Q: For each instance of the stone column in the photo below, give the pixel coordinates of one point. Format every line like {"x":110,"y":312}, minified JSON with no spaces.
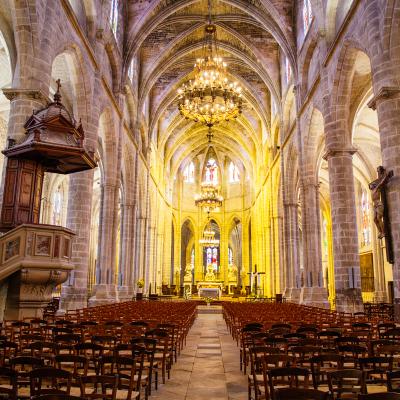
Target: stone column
{"x":313,"y":291}
{"x":344,"y":230}
{"x":74,"y":291}
{"x":292,"y":251}
{"x":126,"y":254}
{"x":105,"y":291}
{"x":387,"y":104}
{"x":141,"y":223}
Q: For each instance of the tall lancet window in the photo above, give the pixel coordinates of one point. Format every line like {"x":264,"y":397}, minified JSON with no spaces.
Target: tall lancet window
{"x":131,"y":71}
{"x":57,"y":206}
{"x":365,"y":219}
{"x":114,"y":16}
{"x":230,"y":256}
{"x":233,"y":173}
{"x":307,"y":15}
{"x":288,"y":70}
{"x":211,"y":173}
{"x":188,"y":173}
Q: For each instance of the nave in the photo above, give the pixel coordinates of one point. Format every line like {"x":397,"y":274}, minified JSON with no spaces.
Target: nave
{"x":184,"y":350}
{"x":208,"y":366}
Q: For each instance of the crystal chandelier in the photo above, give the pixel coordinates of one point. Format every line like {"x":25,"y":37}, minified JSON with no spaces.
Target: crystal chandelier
{"x":210,"y":97}
{"x":208,"y":239}
{"x":209,"y":198}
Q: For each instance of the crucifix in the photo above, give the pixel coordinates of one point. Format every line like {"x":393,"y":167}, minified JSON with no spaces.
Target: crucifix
{"x":254,"y":279}
{"x":381,"y":212}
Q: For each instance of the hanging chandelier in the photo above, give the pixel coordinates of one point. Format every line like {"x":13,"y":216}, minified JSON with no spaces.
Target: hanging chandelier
{"x":209,"y":198}
{"x":210,"y":97}
{"x":208,"y":239}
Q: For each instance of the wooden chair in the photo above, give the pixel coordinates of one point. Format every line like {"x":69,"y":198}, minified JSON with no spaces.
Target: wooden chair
{"x":376,"y":368}
{"x":92,"y":352}
{"x":287,"y":377}
{"x":300,"y":394}
{"x":346,"y":382}
{"x":151,"y":367}
{"x":99,"y":387}
{"x":8,"y":383}
{"x":23,"y":365}
{"x":322,"y":364}
{"x":393,"y":381}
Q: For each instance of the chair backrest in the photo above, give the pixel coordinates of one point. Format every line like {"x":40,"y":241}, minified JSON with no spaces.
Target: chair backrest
{"x":300,"y":394}
{"x":48,"y":380}
{"x":99,"y":387}
{"x":77,"y":365}
{"x":393,"y":381}
{"x":287,"y":377}
{"x":9,"y":377}
{"x":24,"y":363}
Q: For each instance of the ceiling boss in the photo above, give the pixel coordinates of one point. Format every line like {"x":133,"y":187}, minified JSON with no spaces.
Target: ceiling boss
{"x":210,"y":97}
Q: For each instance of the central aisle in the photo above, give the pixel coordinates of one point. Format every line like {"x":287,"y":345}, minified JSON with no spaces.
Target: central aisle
{"x":208,"y":367}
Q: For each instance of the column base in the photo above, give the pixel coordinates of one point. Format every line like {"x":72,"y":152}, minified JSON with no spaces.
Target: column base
{"x":292,"y":294}
{"x":72,"y":298}
{"x":103,"y":294}
{"x":380,"y":297}
{"x":349,"y":301}
{"x":125,"y":293}
{"x":314,"y":296}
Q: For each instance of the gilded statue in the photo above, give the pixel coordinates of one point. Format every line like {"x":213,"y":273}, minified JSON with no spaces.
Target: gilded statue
{"x":210,"y":276}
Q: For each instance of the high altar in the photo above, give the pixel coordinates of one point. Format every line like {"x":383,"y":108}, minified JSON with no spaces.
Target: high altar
{"x":211,"y":289}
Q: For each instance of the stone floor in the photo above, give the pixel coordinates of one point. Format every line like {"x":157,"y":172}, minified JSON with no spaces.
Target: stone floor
{"x":208,"y":366}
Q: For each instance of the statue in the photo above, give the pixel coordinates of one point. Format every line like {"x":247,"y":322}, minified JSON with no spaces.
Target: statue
{"x":210,"y":276}
{"x":377,"y":189}
{"x":188,"y":273}
{"x":232,"y":272}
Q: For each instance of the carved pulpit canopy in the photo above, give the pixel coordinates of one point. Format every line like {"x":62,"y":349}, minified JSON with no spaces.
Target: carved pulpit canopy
{"x":54,"y":139}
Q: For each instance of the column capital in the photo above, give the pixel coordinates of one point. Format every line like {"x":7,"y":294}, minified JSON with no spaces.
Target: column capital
{"x":34,"y":94}
{"x":339,"y":152}
{"x":385,"y":92}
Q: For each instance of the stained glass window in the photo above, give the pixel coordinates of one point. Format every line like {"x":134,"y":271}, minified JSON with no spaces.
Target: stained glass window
{"x":365,"y":219}
{"x":212,"y":257}
{"x":324,"y":238}
{"x":209,"y":256}
{"x":130,"y":71}
{"x":307,"y":15}
{"x":192,"y":257}
{"x":211,"y":174}
{"x":215,"y":257}
{"x":57,"y":206}
{"x":288,"y":70}
{"x":114,"y":16}
{"x":188,"y":173}
{"x":233,"y":173}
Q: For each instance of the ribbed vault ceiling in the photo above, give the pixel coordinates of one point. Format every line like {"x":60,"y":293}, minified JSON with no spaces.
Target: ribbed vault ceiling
{"x":167,"y":36}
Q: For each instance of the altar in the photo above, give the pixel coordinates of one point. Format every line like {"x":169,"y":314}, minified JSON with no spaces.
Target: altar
{"x":212,"y":289}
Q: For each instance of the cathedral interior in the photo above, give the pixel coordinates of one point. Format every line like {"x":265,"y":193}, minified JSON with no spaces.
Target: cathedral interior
{"x":185,"y":180}
{"x":270,"y":196}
